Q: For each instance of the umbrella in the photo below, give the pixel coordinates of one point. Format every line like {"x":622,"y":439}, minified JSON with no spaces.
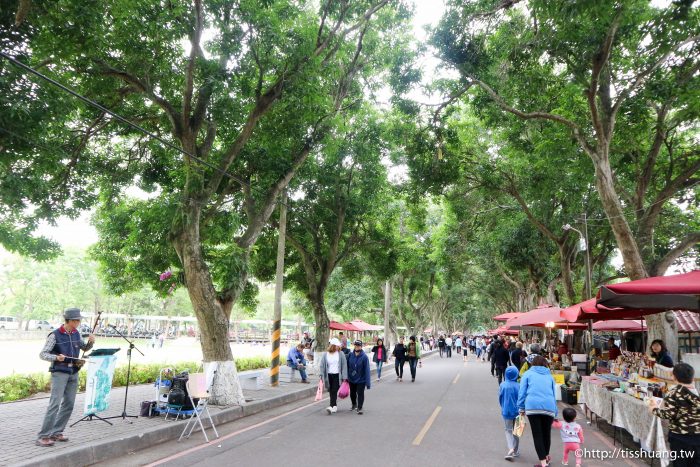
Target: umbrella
{"x":679,"y":291}
{"x":506,"y":316}
{"x":620,"y":325}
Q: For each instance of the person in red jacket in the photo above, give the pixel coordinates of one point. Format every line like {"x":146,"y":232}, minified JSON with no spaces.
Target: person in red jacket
{"x":613,"y":350}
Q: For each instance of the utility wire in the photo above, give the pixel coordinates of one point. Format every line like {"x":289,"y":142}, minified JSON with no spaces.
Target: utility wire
{"x":124,"y":120}
{"x":133,"y":125}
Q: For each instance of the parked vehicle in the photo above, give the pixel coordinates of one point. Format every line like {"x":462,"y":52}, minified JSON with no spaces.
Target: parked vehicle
{"x":9,"y":323}
{"x":40,"y":325}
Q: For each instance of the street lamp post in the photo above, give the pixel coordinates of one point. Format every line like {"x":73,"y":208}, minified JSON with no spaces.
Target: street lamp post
{"x":588,"y":283}
{"x":588,"y":252}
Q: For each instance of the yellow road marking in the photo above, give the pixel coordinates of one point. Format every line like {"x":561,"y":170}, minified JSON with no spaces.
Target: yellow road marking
{"x":456,"y":378}
{"x":426,"y":427}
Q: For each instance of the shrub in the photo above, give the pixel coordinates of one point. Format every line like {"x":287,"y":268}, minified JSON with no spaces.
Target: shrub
{"x":16,"y":387}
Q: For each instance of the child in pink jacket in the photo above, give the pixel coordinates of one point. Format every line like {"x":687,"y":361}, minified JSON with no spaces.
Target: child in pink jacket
{"x":571,"y":435}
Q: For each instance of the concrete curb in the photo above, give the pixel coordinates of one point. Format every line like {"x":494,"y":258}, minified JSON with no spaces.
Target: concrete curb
{"x":95,"y":452}
{"x":114,"y":448}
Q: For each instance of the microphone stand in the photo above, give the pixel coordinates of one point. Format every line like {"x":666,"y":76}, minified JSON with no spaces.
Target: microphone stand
{"x":124,"y":415}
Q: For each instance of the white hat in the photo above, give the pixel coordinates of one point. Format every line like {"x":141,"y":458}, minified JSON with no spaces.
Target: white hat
{"x":334,"y":341}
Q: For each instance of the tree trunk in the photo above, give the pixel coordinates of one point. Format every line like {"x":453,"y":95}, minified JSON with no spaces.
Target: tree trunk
{"x":390,"y":334}
{"x":211,"y":316}
{"x":322,"y":323}
{"x":565,"y":267}
{"x":658,"y":326}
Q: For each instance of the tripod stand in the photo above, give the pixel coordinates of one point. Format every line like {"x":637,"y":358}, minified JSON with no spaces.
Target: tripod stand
{"x":124,"y":415}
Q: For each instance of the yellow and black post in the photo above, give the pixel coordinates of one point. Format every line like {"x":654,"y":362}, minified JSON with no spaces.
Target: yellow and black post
{"x":277,"y":320}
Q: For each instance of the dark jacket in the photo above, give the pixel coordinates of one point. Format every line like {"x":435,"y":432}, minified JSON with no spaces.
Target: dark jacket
{"x":501,"y":357}
{"x":358,"y":369}
{"x":375,"y":358}
{"x":68,"y":344}
{"x":663,"y":358}
{"x":399,"y":352}
{"x":441,"y":342}
{"x":517,"y":356}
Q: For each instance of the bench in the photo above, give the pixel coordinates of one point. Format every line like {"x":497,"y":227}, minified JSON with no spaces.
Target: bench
{"x":253,"y":380}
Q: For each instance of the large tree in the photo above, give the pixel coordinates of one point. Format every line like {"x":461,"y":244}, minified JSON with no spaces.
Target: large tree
{"x":620,"y":78}
{"x":337,"y":210}
{"x":244,"y":92}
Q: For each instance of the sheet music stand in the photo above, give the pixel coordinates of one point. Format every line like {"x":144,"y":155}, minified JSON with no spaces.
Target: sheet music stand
{"x":97,"y":353}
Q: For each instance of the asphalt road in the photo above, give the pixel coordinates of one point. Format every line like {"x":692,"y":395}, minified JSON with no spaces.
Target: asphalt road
{"x":461,"y":400}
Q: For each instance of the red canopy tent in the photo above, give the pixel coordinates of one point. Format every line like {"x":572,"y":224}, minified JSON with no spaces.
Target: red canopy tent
{"x":336,"y":326}
{"x":506,"y":316}
{"x":363,"y":326}
{"x":588,"y":310}
{"x":540,"y":316}
{"x":621,"y":325}
{"x":502,"y":330}
{"x":676,"y":292}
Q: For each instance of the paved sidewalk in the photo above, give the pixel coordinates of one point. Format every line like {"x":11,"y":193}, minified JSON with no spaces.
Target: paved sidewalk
{"x":95,"y":440}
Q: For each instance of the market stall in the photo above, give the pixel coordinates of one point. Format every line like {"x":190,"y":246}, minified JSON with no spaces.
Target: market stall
{"x":623,"y":410}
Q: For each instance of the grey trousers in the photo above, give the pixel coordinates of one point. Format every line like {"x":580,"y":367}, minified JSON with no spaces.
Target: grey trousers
{"x":513,"y":441}
{"x":63,"y":389}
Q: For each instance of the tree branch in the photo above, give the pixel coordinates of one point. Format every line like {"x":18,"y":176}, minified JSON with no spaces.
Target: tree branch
{"x":144,"y":88}
{"x":599,"y":62}
{"x":688,"y":242}
{"x":195,"y":53}
{"x":643,"y":75}
{"x":576,"y":130}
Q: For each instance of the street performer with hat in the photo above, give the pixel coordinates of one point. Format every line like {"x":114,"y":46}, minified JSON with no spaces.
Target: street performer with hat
{"x":62,"y":349}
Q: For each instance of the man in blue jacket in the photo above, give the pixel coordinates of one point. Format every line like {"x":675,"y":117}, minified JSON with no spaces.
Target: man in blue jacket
{"x":508,"y":398}
{"x":296,"y":361}
{"x":358,"y":376}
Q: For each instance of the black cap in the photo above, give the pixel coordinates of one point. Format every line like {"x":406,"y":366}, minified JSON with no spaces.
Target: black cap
{"x":357,"y":342}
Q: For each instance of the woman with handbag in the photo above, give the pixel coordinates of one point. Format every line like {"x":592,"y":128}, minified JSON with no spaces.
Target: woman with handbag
{"x":379,"y":356}
{"x":334,"y":370}
{"x":536,"y":399}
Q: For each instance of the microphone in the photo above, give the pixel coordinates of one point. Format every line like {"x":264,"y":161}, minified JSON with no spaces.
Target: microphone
{"x":111,"y":326}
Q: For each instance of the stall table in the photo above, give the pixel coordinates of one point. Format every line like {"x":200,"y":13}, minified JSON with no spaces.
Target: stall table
{"x":624,"y":411}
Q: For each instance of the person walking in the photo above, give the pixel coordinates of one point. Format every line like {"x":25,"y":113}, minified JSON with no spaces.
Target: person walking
{"x":501,"y":358}
{"x":571,"y":436}
{"x":448,"y":346}
{"x":458,"y":344}
{"x":399,"y":354}
{"x":62,"y":348}
{"x":333,"y":369}
{"x":527,"y":363}
{"x":379,"y":356}
{"x":508,"y":398}
{"x":441,"y":345}
{"x":296,"y":361}
{"x":413,"y":352}
{"x":537,"y":400}
{"x":359,"y":376}
{"x":517,"y":355}
{"x":161,"y":339}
